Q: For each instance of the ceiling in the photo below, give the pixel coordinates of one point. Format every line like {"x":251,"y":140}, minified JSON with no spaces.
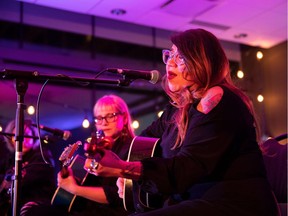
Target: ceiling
{"x":260,"y":23}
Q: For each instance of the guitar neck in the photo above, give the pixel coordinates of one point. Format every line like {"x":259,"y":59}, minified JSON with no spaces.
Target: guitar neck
{"x":64,"y":172}
{"x":66,"y":157}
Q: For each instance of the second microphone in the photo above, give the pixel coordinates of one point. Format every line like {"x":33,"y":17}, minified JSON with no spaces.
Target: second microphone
{"x":63,"y":134}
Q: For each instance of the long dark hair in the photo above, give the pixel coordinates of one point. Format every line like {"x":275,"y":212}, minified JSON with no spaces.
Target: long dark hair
{"x":207,"y":66}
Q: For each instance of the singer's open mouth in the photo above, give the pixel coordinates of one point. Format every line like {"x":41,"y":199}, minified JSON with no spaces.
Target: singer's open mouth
{"x":171,"y":75}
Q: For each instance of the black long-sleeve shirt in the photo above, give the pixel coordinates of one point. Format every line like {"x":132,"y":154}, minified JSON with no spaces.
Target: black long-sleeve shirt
{"x":219,"y":161}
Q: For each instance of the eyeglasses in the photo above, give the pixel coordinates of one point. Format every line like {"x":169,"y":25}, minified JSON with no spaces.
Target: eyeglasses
{"x":109,"y":118}
{"x":167,"y":55}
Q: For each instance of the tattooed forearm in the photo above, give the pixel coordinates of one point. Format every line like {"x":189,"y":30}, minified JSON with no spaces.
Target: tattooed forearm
{"x":132,"y":170}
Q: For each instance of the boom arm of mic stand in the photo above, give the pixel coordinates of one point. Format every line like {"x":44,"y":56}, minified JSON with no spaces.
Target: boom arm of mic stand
{"x":35,"y":75}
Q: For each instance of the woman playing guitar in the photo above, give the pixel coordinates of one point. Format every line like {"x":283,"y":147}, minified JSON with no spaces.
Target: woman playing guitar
{"x":111,"y":116}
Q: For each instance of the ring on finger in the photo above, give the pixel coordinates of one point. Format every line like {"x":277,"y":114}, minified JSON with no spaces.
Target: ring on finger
{"x":94,"y":165}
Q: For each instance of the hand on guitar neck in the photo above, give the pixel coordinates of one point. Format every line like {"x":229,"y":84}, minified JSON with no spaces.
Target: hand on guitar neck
{"x":94,"y":145}
{"x":66,"y":157}
{"x":64,"y":172}
{"x":94,"y":149}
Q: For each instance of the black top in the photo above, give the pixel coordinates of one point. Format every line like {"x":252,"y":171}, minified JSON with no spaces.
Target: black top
{"x":115,"y":206}
{"x":219,"y":162}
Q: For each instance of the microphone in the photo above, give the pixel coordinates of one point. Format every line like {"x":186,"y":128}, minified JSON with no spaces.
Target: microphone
{"x":152,"y":76}
{"x":56,"y":132}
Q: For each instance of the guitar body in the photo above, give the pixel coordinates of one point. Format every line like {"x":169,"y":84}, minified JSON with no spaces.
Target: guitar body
{"x":62,"y":197}
{"x":134,"y":199}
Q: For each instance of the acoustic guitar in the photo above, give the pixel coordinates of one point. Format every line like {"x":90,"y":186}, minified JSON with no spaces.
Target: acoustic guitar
{"x":133,"y":198}
{"x":61,"y":197}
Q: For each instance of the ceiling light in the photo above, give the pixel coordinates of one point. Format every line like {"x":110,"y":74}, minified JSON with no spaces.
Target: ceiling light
{"x":241,"y":35}
{"x":118,"y":11}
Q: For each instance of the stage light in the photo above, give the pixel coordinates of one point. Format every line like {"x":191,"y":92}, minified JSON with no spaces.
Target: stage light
{"x":240,"y":74}
{"x":85,"y":123}
{"x":260,"y":98}
{"x":31,"y":110}
{"x":259,"y":55}
{"x":135,"y":124}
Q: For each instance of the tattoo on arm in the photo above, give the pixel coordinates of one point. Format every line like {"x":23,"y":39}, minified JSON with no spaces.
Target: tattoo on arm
{"x":210,"y":102}
{"x":132,"y":171}
{"x":213,"y":101}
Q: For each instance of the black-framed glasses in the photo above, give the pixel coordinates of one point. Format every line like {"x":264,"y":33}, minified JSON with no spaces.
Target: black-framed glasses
{"x":167,"y":55}
{"x":109,"y":118}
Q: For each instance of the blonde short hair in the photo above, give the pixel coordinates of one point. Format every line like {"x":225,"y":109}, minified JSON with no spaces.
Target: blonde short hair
{"x":118,"y":104}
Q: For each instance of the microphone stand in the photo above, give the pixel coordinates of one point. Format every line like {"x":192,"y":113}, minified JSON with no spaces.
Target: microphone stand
{"x":21,"y":86}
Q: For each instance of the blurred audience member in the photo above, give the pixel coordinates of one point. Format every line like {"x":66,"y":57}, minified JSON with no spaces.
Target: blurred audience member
{"x":38,"y":178}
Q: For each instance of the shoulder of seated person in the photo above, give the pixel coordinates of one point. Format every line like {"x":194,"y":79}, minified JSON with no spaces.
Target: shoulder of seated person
{"x":210,"y":99}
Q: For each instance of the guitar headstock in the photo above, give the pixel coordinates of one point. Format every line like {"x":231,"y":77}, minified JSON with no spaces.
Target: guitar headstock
{"x":67,"y":155}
